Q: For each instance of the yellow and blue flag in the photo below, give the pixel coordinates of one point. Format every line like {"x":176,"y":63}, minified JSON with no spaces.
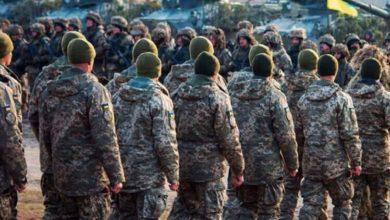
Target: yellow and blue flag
{"x":341,"y":6}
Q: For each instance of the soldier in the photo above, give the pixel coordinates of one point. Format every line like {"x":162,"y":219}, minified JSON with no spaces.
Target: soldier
{"x":326,"y":43}
{"x":297,"y":36}
{"x":142,"y":46}
{"x":12,"y":161}
{"x":86,"y":159}
{"x":60,"y":27}
{"x":48,"y":27}
{"x":270,"y":28}
{"x":261,"y":108}
{"x":217,"y":38}
{"x":95,"y":35}
{"x":148,"y":144}
{"x":75,"y":24}
{"x":331,"y":145}
{"x":345,"y":72}
{"x":18,"y":64}
{"x":372,"y":103}
{"x":139,"y":30}
{"x":39,"y":53}
{"x":167,"y":28}
{"x":161,"y":38}
{"x":118,"y":57}
{"x":50,"y":194}
{"x":207,"y":136}
{"x":309,"y":44}
{"x":244,"y":41}
{"x":279,"y":55}
{"x":183,"y":39}
{"x":297,"y":85}
{"x":353,"y":43}
{"x":245,"y":24}
{"x":180,"y":73}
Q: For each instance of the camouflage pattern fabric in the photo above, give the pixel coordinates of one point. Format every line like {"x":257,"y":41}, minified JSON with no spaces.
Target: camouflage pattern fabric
{"x":55,"y":44}
{"x":199,"y":200}
{"x":225,"y":58}
{"x":16,"y":87}
{"x":119,"y":56}
{"x":207,"y":131}
{"x":121,"y":78}
{"x":18,"y":64}
{"x":5,"y":206}
{"x":75,"y":113}
{"x":283,"y":61}
{"x":96,"y":36}
{"x":147,"y":142}
{"x":344,"y":74}
{"x":51,"y":197}
{"x":181,"y":55}
{"x":147,"y":204}
{"x":165,"y":55}
{"x":240,"y":58}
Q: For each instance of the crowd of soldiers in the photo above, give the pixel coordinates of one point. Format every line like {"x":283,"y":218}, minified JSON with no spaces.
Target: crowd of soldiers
{"x":119,"y":112}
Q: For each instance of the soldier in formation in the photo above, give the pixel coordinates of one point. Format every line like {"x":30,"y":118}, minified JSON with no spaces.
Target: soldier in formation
{"x":297,"y":36}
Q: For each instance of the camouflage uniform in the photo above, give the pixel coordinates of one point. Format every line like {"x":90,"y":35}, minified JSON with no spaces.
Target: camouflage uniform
{"x":308,"y":44}
{"x":48,"y":26}
{"x":118,"y":57}
{"x":148,"y":147}
{"x":327,"y":39}
{"x":351,"y":39}
{"x":240,"y":55}
{"x":55,"y":43}
{"x":345,"y":72}
{"x":260,"y":108}
{"x":120,"y":78}
{"x":161,"y":38}
{"x":18,"y":64}
{"x":207,"y":137}
{"x":96,"y":36}
{"x":39,"y":54}
{"x":182,"y":54}
{"x":225,"y":58}
{"x":279,"y":55}
{"x":74,"y":24}
{"x":76,"y":124}
{"x":12,"y":161}
{"x":294,"y":50}
{"x":326,"y":118}
{"x":372,"y":103}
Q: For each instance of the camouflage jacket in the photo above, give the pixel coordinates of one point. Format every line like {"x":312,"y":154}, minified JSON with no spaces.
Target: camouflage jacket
{"x":282,"y":61}
{"x":98,"y":39}
{"x":16,"y":89}
{"x":13,"y":169}
{"x":297,"y":84}
{"x":327,"y":118}
{"x":372,"y":103}
{"x":344,"y":74}
{"x":225,"y":58}
{"x":181,"y":55}
{"x":39,"y":55}
{"x":240,"y":59}
{"x":165,"y":55}
{"x":121,"y":78}
{"x":180,"y":73}
{"x":55,"y":44}
{"x":207,"y":132}
{"x":77,"y":127}
{"x":147,"y":140}
{"x":118,"y":57}
{"x":293,"y":52}
{"x":18,"y":64}
{"x":260,"y":108}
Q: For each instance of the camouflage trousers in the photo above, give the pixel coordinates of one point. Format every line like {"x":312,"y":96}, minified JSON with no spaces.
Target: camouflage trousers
{"x":259,"y":201}
{"x":51,"y":197}
{"x":379,"y":185}
{"x":198,"y":201}
{"x":6,"y":206}
{"x":291,"y":196}
{"x":313,"y":191}
{"x":96,"y":207}
{"x":148,"y":204}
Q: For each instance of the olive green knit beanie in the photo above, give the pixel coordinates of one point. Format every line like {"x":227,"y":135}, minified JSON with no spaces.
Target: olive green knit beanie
{"x":308,"y":59}
{"x":69,"y":36}
{"x":148,"y":64}
{"x":207,"y":64}
{"x":262,"y":65}
{"x":371,"y":69}
{"x":199,"y":45}
{"x":6,"y":45}
{"x":258,"y":49}
{"x":142,"y":46}
{"x":327,"y":65}
{"x":80,"y":51}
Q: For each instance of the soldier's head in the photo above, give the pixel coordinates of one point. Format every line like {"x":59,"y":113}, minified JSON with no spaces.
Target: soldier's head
{"x":60,"y":25}
{"x":245,"y":24}
{"x":297,"y":36}
{"x":6,"y":48}
{"x":262,"y":65}
{"x":149,"y":65}
{"x":160,"y":36}
{"x":326,"y":43}
{"x":184,"y":36}
{"x":218,"y":38}
{"x":15,"y":32}
{"x":308,"y":44}
{"x":371,"y":69}
{"x":199,"y":45}
{"x":369,"y":36}
{"x":81,"y":54}
{"x":273,"y":40}
{"x":270,"y":28}
{"x":37,"y":30}
{"x":142,"y":46}
{"x":327,"y":67}
{"x":47,"y":24}
{"x":340,"y":51}
{"x":166,"y":27}
{"x":139,"y":31}
{"x":68,"y":37}
{"x":256,"y":50}
{"x":353,"y":42}
{"x":307,"y":60}
{"x":208,"y":30}
{"x":207,"y":64}
{"x":93,"y":19}
{"x":119,"y":24}
{"x":74,"y":24}
{"x":245,"y":38}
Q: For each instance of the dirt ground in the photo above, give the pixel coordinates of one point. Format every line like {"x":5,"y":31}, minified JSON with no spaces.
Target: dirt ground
{"x":30,"y":202}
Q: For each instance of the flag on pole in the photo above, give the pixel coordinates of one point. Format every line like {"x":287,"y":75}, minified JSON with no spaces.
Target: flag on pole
{"x":341,"y":6}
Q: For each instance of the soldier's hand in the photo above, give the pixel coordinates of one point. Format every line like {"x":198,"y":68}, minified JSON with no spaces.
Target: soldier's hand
{"x":117,"y":188}
{"x":293,"y":173}
{"x":174,"y":187}
{"x":237,"y":181}
{"x":20,"y":188}
{"x":356,"y":171}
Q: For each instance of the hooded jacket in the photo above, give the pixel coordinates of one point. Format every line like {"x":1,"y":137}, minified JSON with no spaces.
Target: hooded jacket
{"x":76,"y":123}
{"x":120,"y":79}
{"x":207,"y":131}
{"x":147,"y":139}
{"x":327,"y":118}
{"x":372,"y":104}
{"x":260,"y":108}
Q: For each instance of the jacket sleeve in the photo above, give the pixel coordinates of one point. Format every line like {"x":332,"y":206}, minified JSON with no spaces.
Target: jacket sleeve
{"x":349,"y":131}
{"x":164,"y":135}
{"x":283,"y":125}
{"x":386,"y":106}
{"x":11,"y":149}
{"x":101,"y":119}
{"x":227,"y":134}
